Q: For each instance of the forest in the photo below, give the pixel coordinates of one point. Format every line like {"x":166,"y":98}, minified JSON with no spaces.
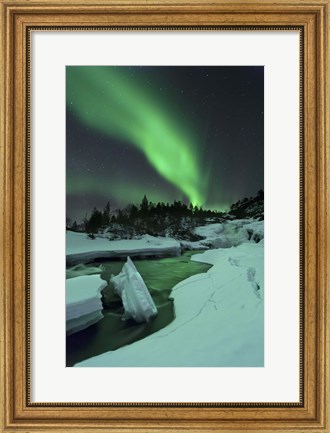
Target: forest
{"x":176,"y":220}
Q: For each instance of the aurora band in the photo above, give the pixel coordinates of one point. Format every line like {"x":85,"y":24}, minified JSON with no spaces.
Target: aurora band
{"x":109,"y":100}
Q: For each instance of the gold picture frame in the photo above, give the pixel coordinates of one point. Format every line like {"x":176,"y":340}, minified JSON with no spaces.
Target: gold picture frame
{"x":18,"y":413}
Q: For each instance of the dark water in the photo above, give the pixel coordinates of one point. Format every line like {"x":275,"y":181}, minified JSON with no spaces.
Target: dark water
{"x":110,"y":333}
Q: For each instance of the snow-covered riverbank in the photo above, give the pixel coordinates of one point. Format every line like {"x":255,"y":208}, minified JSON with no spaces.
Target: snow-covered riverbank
{"x":219,"y":318}
{"x":219,"y":315}
{"x":81,"y":249}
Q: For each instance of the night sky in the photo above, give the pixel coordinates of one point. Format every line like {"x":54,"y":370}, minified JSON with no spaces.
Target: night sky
{"x":194,"y":134}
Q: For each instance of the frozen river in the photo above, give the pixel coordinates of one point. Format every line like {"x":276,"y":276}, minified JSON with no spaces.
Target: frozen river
{"x":110,"y":333}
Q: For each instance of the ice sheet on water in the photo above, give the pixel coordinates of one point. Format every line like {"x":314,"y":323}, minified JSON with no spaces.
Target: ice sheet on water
{"x":83,"y":302}
{"x":137,"y":301}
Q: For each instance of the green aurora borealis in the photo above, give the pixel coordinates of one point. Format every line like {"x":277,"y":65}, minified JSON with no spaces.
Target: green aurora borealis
{"x":154,"y":131}
{"x":121,"y":109}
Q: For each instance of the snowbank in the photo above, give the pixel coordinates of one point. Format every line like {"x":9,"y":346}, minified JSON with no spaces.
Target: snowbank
{"x":137,"y":301}
{"x":227,"y":234}
{"x":219,"y":318}
{"x":81,"y":270}
{"x":81,"y":249}
{"x":83,"y":302}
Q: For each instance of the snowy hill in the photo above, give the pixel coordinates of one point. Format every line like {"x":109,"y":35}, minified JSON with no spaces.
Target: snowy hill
{"x":252,"y":207}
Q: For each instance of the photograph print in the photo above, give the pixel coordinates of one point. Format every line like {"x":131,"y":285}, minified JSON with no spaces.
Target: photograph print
{"x":164,"y":216}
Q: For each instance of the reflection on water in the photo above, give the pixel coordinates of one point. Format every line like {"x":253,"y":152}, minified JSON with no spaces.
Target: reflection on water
{"x":110,"y":333}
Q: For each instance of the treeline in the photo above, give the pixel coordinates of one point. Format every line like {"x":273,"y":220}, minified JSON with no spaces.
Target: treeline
{"x":159,"y":219}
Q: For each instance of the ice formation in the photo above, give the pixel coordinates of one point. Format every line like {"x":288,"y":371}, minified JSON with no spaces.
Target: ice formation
{"x":83,"y":302}
{"x":137,"y":301}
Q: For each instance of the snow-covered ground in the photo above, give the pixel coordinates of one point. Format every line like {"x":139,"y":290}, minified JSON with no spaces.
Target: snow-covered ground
{"x":81,"y":249}
{"x":226,"y":235}
{"x":83,"y":302}
{"x":219,"y":315}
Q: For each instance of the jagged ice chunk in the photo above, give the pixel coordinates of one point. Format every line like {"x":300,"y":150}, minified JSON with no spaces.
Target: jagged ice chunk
{"x":137,"y":301}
